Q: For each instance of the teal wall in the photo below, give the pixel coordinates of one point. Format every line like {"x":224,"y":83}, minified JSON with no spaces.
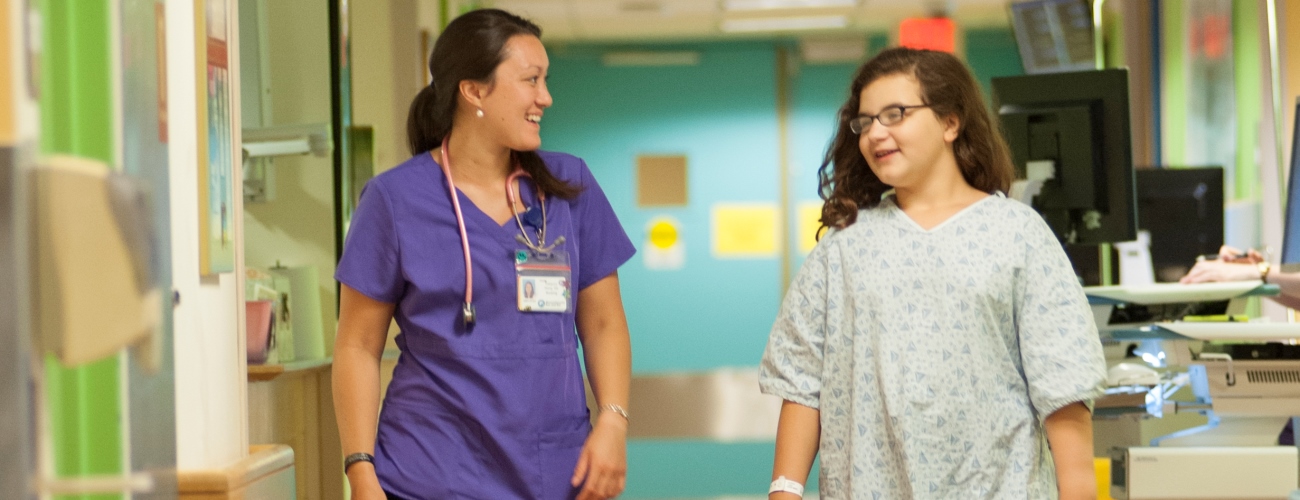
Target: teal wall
{"x":721,"y":114}
{"x":816,"y":94}
{"x":992,"y":53}
{"x":711,"y":313}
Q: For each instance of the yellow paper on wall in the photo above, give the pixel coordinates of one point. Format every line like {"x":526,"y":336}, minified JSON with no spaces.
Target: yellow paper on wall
{"x":744,"y":230}
{"x":810,"y":214}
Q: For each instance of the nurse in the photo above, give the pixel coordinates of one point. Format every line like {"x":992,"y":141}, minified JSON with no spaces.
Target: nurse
{"x":487,"y":399}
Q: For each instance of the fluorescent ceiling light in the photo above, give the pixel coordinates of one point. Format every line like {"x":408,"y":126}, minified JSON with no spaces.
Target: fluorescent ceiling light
{"x":843,"y":50}
{"x":784,"y":23}
{"x":640,"y":7}
{"x":651,"y":58}
{"x":741,"y":5}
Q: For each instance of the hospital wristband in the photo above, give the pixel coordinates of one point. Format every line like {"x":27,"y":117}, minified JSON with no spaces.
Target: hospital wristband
{"x":787,"y":485}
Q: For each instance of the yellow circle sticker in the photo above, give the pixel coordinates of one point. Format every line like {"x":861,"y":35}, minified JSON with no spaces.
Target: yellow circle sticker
{"x":663,"y":234}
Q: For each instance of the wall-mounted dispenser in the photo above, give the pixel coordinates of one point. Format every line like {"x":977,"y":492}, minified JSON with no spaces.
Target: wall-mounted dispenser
{"x":262,"y":145}
{"x":94,"y":287}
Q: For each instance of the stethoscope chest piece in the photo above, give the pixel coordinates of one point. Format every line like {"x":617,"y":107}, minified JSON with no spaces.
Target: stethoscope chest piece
{"x":467,"y":314}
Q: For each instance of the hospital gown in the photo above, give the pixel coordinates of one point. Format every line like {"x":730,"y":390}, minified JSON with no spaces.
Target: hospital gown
{"x":934,"y":356}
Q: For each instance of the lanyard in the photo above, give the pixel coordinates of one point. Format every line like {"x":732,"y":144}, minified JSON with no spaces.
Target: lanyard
{"x":467,"y":309}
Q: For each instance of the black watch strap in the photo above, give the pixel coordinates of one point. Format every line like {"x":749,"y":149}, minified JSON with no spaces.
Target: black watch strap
{"x":356,"y":457}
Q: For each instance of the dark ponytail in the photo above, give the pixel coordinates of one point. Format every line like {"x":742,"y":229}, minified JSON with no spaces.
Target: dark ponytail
{"x":421,"y":129}
{"x":471,"y":48}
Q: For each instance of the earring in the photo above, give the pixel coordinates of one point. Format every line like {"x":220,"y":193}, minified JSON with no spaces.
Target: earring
{"x":479,"y":113}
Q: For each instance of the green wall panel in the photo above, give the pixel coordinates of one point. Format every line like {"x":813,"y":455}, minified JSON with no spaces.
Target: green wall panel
{"x":76,"y":96}
{"x":77,"y":119}
{"x":86,"y":420}
{"x":1247,"y":67}
{"x":1174,"y":133}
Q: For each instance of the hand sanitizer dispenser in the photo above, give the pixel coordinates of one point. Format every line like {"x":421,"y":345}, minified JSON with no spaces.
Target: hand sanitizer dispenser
{"x":94,"y":291}
{"x":1135,"y":261}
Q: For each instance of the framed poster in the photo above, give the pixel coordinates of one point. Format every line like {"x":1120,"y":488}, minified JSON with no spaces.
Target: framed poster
{"x":216,"y":140}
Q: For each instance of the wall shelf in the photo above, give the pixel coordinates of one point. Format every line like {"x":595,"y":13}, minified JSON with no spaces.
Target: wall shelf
{"x":263,"y":373}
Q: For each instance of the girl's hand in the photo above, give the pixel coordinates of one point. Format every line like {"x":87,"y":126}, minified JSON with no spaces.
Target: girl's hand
{"x":603,"y":463}
{"x":1079,"y":488}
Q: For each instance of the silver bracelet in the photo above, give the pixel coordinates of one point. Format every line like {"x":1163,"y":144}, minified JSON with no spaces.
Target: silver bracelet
{"x":616,"y":409}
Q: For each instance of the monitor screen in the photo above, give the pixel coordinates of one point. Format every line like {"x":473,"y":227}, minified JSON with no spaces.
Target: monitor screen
{"x":1077,"y":124}
{"x":1182,"y":208}
{"x":1291,"y":240}
{"x":1054,"y":35}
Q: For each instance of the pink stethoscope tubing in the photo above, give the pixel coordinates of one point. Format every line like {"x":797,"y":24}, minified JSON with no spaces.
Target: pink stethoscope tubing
{"x":467,"y":309}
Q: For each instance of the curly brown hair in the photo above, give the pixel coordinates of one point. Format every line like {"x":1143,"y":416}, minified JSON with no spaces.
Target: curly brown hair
{"x":948,"y":88}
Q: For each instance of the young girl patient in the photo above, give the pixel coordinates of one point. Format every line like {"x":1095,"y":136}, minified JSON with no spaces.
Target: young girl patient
{"x":936,"y":343}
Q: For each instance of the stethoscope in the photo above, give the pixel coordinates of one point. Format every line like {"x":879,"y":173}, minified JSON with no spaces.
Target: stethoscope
{"x":540,"y":246}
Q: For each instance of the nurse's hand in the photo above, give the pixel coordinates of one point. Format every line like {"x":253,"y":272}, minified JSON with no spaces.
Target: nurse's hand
{"x":1208,"y":271}
{"x":603,"y":463}
{"x":364,"y":482}
{"x":1236,"y":256}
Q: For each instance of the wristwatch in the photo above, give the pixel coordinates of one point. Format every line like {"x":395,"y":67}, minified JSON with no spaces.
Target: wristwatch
{"x":1264,"y":267}
{"x":354,"y":458}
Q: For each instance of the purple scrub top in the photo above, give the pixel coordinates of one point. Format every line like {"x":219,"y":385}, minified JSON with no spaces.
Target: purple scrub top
{"x":497,"y":411}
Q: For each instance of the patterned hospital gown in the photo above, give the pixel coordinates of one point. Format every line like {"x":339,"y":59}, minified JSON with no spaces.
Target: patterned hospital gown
{"x":934,"y":356}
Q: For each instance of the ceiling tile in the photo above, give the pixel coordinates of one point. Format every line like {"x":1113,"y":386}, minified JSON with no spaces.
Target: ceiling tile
{"x":613,"y":20}
{"x":535,"y":9}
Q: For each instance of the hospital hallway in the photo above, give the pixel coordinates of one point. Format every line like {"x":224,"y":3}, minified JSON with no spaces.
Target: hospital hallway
{"x":180,"y":178}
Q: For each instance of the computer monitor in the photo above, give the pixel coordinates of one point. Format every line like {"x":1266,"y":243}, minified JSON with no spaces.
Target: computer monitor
{"x":1054,"y":35}
{"x":1291,"y":239}
{"x":1079,"y":122}
{"x":1182,"y":208}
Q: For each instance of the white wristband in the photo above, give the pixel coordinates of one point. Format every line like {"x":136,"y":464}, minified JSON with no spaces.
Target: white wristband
{"x":786,"y":485}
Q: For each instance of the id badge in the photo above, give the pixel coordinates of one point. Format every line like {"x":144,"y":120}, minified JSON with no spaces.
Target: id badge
{"x":542,"y":281}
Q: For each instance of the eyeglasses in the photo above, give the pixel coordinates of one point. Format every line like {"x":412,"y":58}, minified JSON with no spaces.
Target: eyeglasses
{"x":889,"y":117}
